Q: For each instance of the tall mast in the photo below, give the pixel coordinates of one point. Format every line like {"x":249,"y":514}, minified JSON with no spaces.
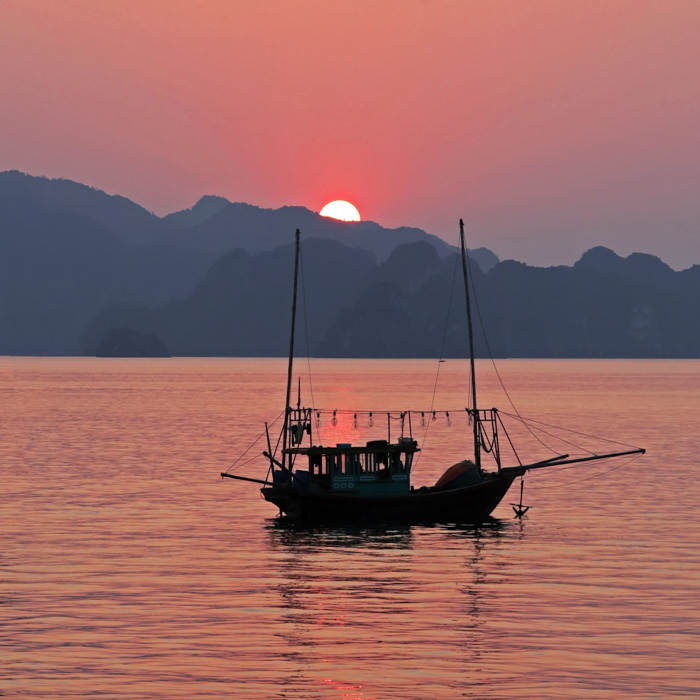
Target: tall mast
{"x":477,"y":452}
{"x":287,"y":408}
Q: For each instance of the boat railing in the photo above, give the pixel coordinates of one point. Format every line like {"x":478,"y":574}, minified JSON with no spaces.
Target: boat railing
{"x":370,"y":461}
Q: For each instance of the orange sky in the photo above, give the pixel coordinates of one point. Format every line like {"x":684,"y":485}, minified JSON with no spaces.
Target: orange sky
{"x":550,"y":126}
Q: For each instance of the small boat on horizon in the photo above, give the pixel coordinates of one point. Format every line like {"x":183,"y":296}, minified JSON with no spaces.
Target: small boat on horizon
{"x":372,"y":482}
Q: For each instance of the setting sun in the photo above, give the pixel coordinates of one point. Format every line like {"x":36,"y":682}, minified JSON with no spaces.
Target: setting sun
{"x":342,"y":210}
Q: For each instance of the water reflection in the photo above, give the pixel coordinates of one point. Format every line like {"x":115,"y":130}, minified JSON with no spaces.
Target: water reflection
{"x":491,"y":527}
{"x":288,"y":533}
{"x":354,"y":600}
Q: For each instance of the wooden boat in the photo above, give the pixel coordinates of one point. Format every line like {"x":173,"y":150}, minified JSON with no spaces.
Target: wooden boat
{"x":372,"y":482}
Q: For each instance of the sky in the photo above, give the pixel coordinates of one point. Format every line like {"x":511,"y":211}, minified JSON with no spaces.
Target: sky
{"x":549,"y":126}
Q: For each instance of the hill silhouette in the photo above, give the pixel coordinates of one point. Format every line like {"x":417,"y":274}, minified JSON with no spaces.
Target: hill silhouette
{"x":58,"y":267}
{"x":238,"y":225}
{"x":243,"y":305}
{"x":68,"y":250}
{"x":126,"y":342}
{"x":603,"y":306}
{"x":129,"y":221}
{"x":76,"y":264}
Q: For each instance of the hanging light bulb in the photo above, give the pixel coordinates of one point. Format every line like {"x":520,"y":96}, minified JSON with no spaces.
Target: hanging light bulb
{"x":422,"y":419}
{"x":449,"y":420}
{"x":371,"y":420}
{"x":334,"y":420}
{"x":354,"y":421}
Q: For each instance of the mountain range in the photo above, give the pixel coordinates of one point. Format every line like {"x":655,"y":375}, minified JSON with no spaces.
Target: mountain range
{"x":412,"y":305}
{"x":78,"y":265}
{"x":67,"y":250}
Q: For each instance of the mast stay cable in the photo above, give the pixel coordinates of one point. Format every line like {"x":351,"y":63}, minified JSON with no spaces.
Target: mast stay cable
{"x":493,"y":362}
{"x":442,"y":349}
{"x":236,"y":464}
{"x":306,"y":326}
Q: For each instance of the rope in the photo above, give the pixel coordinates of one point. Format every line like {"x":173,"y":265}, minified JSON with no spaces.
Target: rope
{"x":493,"y":362}
{"x":486,"y":446}
{"x":593,"y":476}
{"x":556,"y":437}
{"x":252,"y":444}
{"x":569,"y":430}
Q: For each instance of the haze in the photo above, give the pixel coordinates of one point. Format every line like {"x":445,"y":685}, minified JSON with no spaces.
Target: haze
{"x":549,"y":126}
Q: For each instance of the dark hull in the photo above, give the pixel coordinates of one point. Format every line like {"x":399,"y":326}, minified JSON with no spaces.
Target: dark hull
{"x":471,"y":504}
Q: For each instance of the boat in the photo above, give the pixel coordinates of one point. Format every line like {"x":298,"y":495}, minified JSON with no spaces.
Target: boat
{"x":371,"y":482}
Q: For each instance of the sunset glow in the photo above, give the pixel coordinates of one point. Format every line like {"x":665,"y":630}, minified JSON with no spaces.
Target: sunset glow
{"x":342,"y":210}
{"x":553,"y":126}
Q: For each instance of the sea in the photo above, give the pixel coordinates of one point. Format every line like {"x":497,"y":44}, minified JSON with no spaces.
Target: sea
{"x":130,"y":569}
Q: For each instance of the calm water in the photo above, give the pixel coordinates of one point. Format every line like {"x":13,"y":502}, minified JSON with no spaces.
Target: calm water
{"x":129,"y":569}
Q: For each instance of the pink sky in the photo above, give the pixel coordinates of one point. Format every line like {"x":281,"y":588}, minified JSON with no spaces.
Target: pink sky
{"x":550,"y":126}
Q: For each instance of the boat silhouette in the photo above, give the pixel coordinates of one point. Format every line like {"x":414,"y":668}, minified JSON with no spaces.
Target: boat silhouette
{"x":372,"y":481}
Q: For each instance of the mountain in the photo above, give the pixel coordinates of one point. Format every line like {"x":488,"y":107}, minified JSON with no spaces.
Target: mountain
{"x":205,"y":208}
{"x":126,"y":342}
{"x":130,"y":222}
{"x":59,"y":266}
{"x":52,"y":278}
{"x":68,"y":250}
{"x":254,"y":229}
{"x":485,"y":258}
{"x":412,"y":305}
{"x":213,"y":226}
{"x":76,"y":263}
{"x":242,"y":307}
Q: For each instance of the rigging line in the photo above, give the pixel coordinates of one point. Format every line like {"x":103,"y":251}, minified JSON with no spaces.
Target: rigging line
{"x":595,"y":476}
{"x":442,"y":349}
{"x":279,"y":438}
{"x":557,"y":437}
{"x":562,"y":468}
{"x":394,"y":412}
{"x":485,"y":444}
{"x":569,"y":430}
{"x":493,"y":362}
{"x":510,"y":442}
{"x":248,"y":461}
{"x":252,"y":444}
{"x":306,"y":325}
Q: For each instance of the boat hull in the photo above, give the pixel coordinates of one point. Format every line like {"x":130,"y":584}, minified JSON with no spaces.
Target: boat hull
{"x":464,"y":505}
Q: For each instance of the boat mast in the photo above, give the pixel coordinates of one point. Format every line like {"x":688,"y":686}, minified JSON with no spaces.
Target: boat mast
{"x":287,"y":408}
{"x":477,"y":452}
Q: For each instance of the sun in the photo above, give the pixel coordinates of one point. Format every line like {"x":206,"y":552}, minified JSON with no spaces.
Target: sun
{"x":342,"y":210}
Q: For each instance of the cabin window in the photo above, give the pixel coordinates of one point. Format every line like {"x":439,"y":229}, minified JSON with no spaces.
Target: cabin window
{"x":316,"y":465}
{"x":396,"y":463}
{"x":350,"y":464}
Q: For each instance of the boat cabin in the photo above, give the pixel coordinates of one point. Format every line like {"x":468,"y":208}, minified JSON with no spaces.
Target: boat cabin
{"x":375,"y":469}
